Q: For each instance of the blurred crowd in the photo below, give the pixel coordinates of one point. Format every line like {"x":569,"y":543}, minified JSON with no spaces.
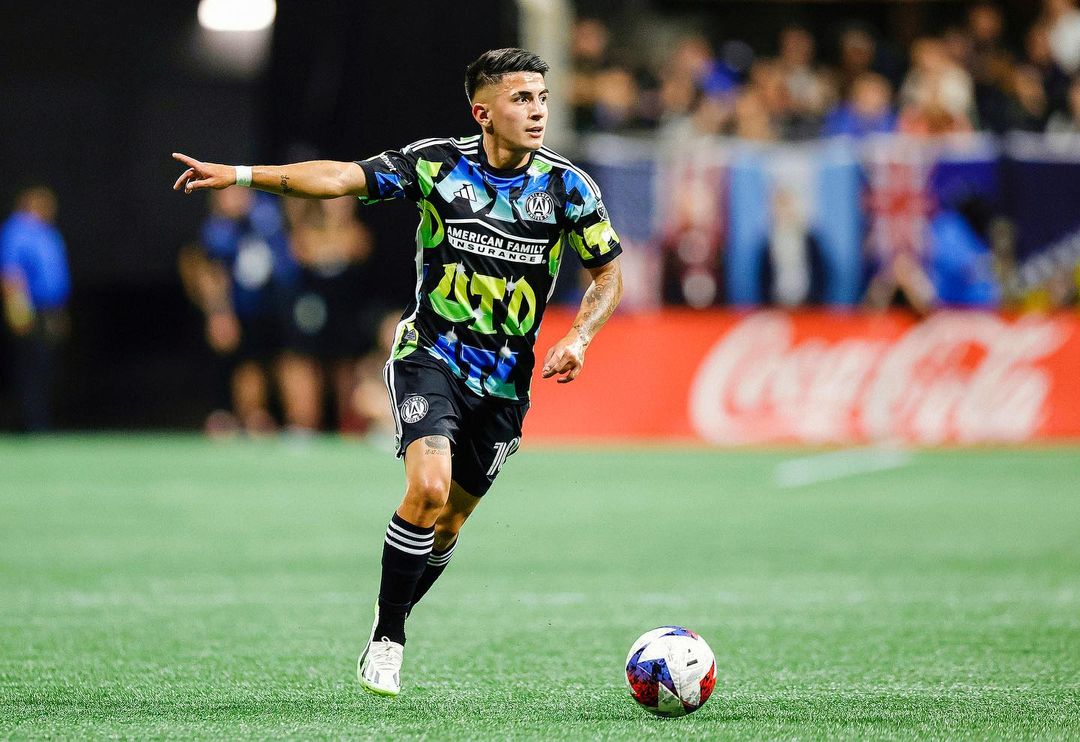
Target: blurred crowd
{"x":962,"y":78}
{"x":295,"y":330}
{"x":920,"y":248}
{"x":297,"y":337}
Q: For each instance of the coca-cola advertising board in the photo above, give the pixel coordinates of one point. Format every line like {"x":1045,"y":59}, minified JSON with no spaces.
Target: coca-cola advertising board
{"x":731,"y":378}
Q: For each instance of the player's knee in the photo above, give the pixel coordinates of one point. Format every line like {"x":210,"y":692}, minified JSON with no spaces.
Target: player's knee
{"x":429,"y":491}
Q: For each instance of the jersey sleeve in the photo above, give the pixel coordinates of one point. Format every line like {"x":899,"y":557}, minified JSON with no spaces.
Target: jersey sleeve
{"x":589,"y":230}
{"x":391,"y":174}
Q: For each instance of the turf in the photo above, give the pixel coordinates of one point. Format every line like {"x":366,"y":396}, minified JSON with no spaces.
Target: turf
{"x":171,"y":587}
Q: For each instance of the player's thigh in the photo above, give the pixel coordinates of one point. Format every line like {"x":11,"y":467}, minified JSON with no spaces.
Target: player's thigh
{"x":491,"y":436}
{"x":425,"y":404}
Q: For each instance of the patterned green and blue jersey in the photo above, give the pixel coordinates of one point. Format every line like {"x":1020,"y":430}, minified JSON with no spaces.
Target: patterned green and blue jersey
{"x":488,"y":250}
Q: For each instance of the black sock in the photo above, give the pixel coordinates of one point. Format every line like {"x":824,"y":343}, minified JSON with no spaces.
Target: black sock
{"x":436,"y":563}
{"x":405,"y":554}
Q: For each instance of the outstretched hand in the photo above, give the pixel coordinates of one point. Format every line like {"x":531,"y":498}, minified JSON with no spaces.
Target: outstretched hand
{"x":202,"y":175}
{"x":565,"y":358}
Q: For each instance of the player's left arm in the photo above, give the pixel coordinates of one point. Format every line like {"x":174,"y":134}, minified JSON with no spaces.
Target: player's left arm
{"x":567,"y":356}
{"x":314,"y":179}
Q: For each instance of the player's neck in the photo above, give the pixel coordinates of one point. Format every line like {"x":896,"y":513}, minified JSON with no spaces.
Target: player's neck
{"x":502,"y":157}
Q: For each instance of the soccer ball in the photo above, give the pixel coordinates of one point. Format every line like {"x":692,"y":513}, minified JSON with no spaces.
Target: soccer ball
{"x":671,"y":671}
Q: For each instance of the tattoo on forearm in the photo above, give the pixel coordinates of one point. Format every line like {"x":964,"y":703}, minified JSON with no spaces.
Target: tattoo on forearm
{"x":436,"y":444}
{"x":285,"y":185}
{"x":598,"y":305}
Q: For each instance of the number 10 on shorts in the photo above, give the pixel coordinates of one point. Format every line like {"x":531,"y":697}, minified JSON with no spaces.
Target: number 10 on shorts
{"x":502,"y":450}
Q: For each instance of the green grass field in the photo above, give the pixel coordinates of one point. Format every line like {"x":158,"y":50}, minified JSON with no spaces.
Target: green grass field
{"x":171,"y":587}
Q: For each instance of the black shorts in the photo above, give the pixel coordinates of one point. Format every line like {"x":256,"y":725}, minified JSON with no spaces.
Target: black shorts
{"x":428,"y":400}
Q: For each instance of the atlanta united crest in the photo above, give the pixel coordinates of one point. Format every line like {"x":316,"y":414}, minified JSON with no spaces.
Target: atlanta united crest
{"x":539,"y":206}
{"x":413,"y":409}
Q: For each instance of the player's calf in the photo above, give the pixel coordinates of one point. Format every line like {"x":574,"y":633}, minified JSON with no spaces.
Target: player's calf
{"x":410,"y":534}
{"x":453,"y":516}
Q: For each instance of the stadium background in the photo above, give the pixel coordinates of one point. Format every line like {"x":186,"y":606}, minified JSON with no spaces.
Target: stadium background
{"x":154,"y":583}
{"x":94,"y":106}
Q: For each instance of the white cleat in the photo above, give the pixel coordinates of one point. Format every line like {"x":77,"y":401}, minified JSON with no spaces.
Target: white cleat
{"x":379,"y":667}
{"x":367,"y":647}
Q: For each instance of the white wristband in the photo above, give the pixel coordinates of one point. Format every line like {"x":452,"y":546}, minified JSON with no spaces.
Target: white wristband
{"x":243,"y":175}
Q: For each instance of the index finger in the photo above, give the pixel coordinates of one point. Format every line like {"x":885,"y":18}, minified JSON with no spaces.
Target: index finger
{"x":189,"y":161}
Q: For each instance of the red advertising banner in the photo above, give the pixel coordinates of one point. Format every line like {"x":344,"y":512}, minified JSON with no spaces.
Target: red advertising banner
{"x":817,"y":377}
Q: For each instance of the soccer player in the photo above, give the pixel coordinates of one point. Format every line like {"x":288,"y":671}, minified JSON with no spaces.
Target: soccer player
{"x":497,"y":213}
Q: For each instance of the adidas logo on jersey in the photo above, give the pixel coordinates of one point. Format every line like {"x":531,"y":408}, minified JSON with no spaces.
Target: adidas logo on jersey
{"x":466,"y":192}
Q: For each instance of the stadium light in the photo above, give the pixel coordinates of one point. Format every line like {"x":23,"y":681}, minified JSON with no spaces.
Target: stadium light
{"x":236,"y":15}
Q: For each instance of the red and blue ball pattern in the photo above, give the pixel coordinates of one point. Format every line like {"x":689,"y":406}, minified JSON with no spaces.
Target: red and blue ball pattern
{"x":671,"y":671}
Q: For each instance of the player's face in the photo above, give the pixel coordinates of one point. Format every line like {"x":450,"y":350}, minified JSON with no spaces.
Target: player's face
{"x":514,"y":110}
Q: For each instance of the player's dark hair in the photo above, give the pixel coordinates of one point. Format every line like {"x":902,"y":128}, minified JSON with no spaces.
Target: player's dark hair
{"x":493,"y":64}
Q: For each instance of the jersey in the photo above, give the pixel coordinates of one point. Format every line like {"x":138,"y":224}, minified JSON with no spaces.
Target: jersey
{"x":488,"y":250}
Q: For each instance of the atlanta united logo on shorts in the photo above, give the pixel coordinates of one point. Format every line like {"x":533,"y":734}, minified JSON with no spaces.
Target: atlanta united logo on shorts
{"x":539,"y":206}
{"x":413,"y":409}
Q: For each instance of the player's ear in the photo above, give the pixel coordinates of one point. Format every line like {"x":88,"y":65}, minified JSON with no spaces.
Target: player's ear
{"x":482,"y":114}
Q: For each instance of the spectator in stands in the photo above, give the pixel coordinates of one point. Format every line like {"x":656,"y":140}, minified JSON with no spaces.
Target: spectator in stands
{"x":992,"y":68}
{"x":768,"y":87}
{"x":692,"y":71}
{"x":858,"y":50}
{"x":588,"y":58}
{"x":867,"y":110}
{"x":330,"y":319}
{"x":35,"y":285}
{"x":240,"y":278}
{"x":986,"y":27}
{"x":690,"y":189}
{"x":1040,"y":56}
{"x":609,"y":91}
{"x":937,"y":96}
{"x":752,"y":119}
{"x":959,"y":46}
{"x":1068,"y":121}
{"x":1063,"y":20}
{"x":615,"y":107}
{"x":809,"y":92}
{"x":1028,"y":108}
